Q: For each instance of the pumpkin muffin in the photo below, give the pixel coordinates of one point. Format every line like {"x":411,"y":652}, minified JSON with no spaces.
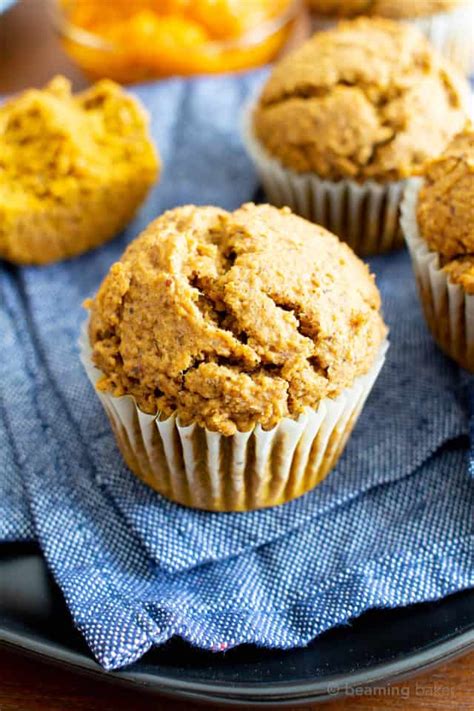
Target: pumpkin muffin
{"x":438,"y":221}
{"x":399,"y":9}
{"x":247,"y":341}
{"x":346,"y":118}
{"x":445,"y":23}
{"x":73,"y":169}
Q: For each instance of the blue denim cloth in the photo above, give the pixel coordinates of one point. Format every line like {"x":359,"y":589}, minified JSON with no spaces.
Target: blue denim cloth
{"x":392,"y":525}
{"x":15,"y":520}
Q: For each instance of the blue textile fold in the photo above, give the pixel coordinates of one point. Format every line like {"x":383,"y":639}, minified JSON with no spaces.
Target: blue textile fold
{"x":15,"y":520}
{"x":392,"y":525}
{"x":468,"y":382}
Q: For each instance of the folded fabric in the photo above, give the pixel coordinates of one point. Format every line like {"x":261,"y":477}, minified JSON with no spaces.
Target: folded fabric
{"x":467,"y":380}
{"x":391,"y":525}
{"x":15,"y":520}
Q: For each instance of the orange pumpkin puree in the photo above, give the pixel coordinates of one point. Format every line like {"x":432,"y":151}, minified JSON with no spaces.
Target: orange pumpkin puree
{"x":133,"y":40}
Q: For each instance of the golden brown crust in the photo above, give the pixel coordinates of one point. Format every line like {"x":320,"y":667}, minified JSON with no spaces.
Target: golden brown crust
{"x":367,"y":99}
{"x":73,"y":169}
{"x":461,"y":271}
{"x":396,"y":9}
{"x":234,"y":319}
{"x":445,"y":210}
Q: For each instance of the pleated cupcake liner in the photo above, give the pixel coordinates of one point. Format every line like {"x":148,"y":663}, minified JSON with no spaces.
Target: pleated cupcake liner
{"x":365,"y":215}
{"x":448,"y":33}
{"x":448,"y":309}
{"x":249,"y":470}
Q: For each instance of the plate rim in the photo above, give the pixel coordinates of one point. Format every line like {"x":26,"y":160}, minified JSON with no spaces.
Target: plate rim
{"x":279,"y":694}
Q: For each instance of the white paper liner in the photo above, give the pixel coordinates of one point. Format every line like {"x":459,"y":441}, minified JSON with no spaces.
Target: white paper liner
{"x":203,"y":469}
{"x":450,"y":33}
{"x":366,"y":215}
{"x":448,"y":309}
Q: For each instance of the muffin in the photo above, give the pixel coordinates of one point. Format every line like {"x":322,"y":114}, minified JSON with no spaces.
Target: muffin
{"x":397,"y":9}
{"x":233,"y":353}
{"x":445,"y":23}
{"x":438,"y":222}
{"x":73,"y":169}
{"x":345,"y":119}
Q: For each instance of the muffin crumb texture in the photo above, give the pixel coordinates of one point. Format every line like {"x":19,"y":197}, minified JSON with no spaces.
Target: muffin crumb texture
{"x":73,"y":169}
{"x":396,"y":9}
{"x":234,"y":319}
{"x":461,"y":271}
{"x":368,"y":99}
{"x":445,"y":211}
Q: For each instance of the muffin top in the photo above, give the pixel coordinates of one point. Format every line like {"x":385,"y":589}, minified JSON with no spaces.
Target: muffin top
{"x":382,"y":8}
{"x":367,"y":99}
{"x":445,"y":210}
{"x":54,"y":144}
{"x":234,"y":319}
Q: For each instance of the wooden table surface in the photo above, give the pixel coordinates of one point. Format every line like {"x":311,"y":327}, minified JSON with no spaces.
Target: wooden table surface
{"x":29,"y":55}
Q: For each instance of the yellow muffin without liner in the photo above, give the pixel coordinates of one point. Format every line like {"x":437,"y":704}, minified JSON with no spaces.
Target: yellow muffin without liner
{"x":73,"y":169}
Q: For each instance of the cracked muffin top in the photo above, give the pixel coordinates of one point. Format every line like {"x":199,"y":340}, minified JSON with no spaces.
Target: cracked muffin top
{"x":383,"y":8}
{"x":367,"y":99}
{"x":73,"y":169}
{"x":234,"y":319}
{"x":445,"y":211}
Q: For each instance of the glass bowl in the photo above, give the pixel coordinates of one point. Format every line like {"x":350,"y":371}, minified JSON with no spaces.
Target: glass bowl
{"x":156,"y":48}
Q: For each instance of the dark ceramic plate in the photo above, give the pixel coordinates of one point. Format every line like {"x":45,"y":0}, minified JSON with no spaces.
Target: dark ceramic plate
{"x":380,"y":646}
